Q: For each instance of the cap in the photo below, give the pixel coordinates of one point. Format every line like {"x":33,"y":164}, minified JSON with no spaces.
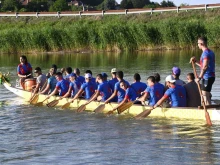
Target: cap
{"x":104,"y":74}
{"x":176,"y":70}
{"x":170,"y":78}
{"x":73,"y":75}
{"x":113,"y":70}
{"x":88,"y":75}
{"x":37,"y":69}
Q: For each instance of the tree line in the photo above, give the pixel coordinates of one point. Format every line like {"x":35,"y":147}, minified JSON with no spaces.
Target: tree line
{"x":62,"y":5}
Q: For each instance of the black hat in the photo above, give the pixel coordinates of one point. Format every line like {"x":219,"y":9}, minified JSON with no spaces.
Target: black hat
{"x":37,"y":69}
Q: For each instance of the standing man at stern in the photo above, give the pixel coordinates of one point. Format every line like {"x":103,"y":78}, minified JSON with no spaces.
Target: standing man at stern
{"x":207,"y":66}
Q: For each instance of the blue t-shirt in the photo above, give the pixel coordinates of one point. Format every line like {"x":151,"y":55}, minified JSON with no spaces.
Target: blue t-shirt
{"x":130,"y":94}
{"x":62,"y":86}
{"x":89,"y":88}
{"x":67,"y":77}
{"x":81,"y":79}
{"x":155,"y":93}
{"x":75,"y":87}
{"x":24,"y":69}
{"x":160,"y":86}
{"x":112,"y":83}
{"x":208,"y":55}
{"x":121,"y":92}
{"x":177,"y":95}
{"x":52,"y":82}
{"x":104,"y":90}
{"x":139,"y":87}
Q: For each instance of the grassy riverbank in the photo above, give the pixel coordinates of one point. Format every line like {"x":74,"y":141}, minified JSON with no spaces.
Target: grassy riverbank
{"x":168,"y":30}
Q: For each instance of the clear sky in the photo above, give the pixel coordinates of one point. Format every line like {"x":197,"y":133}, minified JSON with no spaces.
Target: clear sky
{"x":190,"y":2}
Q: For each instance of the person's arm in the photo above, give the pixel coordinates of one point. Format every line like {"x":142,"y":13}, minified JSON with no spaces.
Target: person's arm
{"x":112,"y":96}
{"x":144,"y":97}
{"x":193,"y":59}
{"x":93,"y":97}
{"x":121,"y":103}
{"x":77,"y":95}
{"x":68,"y":93}
{"x":159,"y":102}
{"x":55,"y":91}
{"x":46,"y":89}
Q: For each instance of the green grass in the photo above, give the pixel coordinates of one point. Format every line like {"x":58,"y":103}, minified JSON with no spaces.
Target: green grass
{"x":168,"y":30}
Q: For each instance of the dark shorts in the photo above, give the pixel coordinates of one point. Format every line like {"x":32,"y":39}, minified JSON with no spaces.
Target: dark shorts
{"x":207,"y":84}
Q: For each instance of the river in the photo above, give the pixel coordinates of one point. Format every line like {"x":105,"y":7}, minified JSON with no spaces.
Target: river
{"x":40,"y":135}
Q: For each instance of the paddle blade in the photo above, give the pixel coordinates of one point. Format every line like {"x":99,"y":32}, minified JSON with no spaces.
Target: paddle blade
{"x":53,"y":103}
{"x":125,"y":106}
{"x":39,"y":104}
{"x":143,"y":114}
{"x":81,"y":108}
{"x":65,"y":106}
{"x":208,"y":120}
{"x":34,"y":99}
{"x":100,"y":108}
{"x":110,"y":112}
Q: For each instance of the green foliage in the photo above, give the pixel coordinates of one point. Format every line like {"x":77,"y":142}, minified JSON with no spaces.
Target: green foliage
{"x":59,"y":5}
{"x":126,"y":4}
{"x":10,"y":5}
{"x":107,"y":5}
{"x":167,"y":4}
{"x":140,"y":3}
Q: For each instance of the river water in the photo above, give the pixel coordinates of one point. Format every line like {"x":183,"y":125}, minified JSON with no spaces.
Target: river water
{"x":40,"y":135}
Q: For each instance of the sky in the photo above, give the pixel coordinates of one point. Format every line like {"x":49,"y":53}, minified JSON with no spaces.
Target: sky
{"x":190,"y":2}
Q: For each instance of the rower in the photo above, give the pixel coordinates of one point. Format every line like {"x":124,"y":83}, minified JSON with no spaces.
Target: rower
{"x":112,"y":83}
{"x":40,"y":81}
{"x":81,"y":79}
{"x":176,"y":94}
{"x":68,"y":72}
{"x":153,"y":91}
{"x":138,"y":86}
{"x":51,"y":82}
{"x":117,"y":89}
{"x":24,"y":70}
{"x":176,"y":74}
{"x":192,"y":92}
{"x":54,"y":67}
{"x":130,"y":94}
{"x":88,"y":87}
{"x":92,"y":79}
{"x":157,"y":82}
{"x":103,"y":90}
{"x":62,"y":86}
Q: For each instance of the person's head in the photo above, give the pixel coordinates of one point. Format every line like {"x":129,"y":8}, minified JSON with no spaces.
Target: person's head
{"x":150,"y":80}
{"x":88,"y":71}
{"x":23,"y":59}
{"x":37,"y":71}
{"x":137,"y":77}
{"x":99,"y":78}
{"x":72,"y":77}
{"x":88,"y":77}
{"x":113,"y":72}
{"x":123,"y":85}
{"x":157,"y":77}
{"x":59,"y":76}
{"x":63,"y":70}
{"x":190,"y":77}
{"x":52,"y":71}
{"x":77,"y":71}
{"x":104,"y":76}
{"x":202,"y":42}
{"x":68,"y":70}
{"x":176,"y":72}
{"x":119,"y":75}
{"x":170,"y":80}
{"x":54,"y":66}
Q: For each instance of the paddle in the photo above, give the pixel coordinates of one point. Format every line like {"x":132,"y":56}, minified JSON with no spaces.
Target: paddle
{"x":143,"y":114}
{"x":81,"y":108}
{"x":53,"y":103}
{"x":100,"y":108}
{"x":208,"y":120}
{"x":41,"y":103}
{"x":65,"y":106}
{"x":125,"y":106}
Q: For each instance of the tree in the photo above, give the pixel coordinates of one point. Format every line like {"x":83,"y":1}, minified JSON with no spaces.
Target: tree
{"x":152,"y":5}
{"x":92,"y":2}
{"x":10,"y":5}
{"x":184,"y":4}
{"x":126,"y":4}
{"x":140,"y":3}
{"x":59,"y":5}
{"x":167,"y":4}
{"x":107,"y":5}
{"x":38,"y":5}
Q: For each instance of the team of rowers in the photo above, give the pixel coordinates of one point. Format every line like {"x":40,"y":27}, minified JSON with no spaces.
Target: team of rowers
{"x":175,"y":92}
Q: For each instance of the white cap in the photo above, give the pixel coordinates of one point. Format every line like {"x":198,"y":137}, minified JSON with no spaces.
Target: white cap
{"x":88,"y":75}
{"x":113,"y":70}
{"x":170,"y":78}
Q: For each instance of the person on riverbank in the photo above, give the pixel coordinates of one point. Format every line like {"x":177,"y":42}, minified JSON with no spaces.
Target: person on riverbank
{"x":153,"y":91}
{"x":88,"y":87}
{"x":62,"y":86}
{"x":81,"y":79}
{"x":138,"y":86}
{"x":103,"y":89}
{"x":207,"y":69}
{"x":51,"y":82}
{"x":176,"y":94}
{"x":193,"y":98}
{"x":41,"y":81}
{"x":112,"y":83}
{"x":24,"y":69}
{"x":118,"y":91}
{"x":176,"y":74}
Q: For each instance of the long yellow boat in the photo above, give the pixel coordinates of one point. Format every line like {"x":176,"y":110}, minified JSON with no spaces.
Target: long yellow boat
{"x":181,"y":112}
